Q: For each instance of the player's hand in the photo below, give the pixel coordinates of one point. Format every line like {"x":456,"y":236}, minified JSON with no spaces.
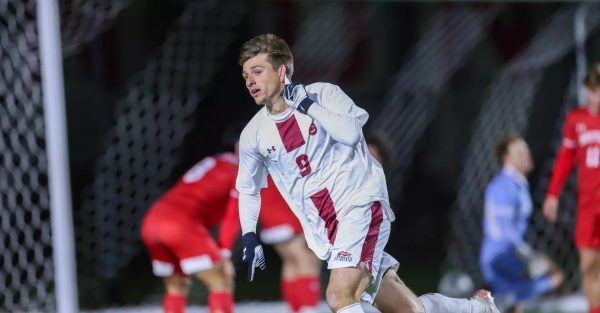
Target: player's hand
{"x":550,"y":208}
{"x":295,"y":96}
{"x":228,"y":269}
{"x":253,"y":254}
{"x":536,"y":264}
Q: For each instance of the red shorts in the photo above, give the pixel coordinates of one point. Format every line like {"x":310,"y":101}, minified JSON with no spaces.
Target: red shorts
{"x":177,"y":244}
{"x":278,"y":222}
{"x":587,"y":229}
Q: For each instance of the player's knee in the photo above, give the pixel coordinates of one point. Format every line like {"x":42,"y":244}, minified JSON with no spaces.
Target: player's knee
{"x":225,"y":280}
{"x":178,"y":284}
{"x":587,"y":266}
{"x":216,"y":279}
{"x":338,"y":296}
{"x":306,"y":256}
{"x":391,"y":277}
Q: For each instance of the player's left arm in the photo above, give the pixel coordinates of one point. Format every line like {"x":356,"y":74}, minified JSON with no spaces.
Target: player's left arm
{"x":332,"y":108}
{"x":230,"y":226}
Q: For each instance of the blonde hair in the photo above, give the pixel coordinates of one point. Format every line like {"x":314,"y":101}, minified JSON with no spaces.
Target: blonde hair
{"x":277,"y":49}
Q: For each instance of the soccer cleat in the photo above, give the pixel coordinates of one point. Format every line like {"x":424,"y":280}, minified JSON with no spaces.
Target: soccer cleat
{"x":485,"y":297}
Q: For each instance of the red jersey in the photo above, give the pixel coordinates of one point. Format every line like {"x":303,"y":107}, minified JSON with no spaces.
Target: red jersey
{"x":204,"y":191}
{"x":581,"y":142}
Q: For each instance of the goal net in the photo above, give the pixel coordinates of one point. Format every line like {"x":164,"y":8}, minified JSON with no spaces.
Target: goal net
{"x":26,"y":264}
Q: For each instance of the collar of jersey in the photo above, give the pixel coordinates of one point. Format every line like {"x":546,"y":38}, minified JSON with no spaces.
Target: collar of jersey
{"x":281,"y":116}
{"x":516,"y":175}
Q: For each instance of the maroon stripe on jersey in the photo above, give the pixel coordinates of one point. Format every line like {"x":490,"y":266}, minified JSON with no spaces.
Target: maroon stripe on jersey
{"x":324,"y":205}
{"x":290,"y":134}
{"x":368,"y":247}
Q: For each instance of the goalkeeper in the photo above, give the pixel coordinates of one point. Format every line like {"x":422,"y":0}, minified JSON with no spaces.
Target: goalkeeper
{"x":510,"y":266}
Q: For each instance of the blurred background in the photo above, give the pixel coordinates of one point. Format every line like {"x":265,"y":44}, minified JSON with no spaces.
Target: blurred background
{"x":151,"y":86}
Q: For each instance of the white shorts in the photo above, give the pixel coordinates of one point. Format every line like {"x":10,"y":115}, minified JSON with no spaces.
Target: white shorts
{"x":361,"y":236}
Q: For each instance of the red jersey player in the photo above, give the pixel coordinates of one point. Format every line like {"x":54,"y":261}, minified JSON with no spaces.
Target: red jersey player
{"x":176,"y":233}
{"x":581,"y":144}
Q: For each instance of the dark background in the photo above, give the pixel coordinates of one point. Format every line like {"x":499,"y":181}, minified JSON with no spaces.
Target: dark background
{"x":98,"y":76}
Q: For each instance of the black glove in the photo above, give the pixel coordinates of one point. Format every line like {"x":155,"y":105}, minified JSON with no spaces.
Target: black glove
{"x":253,"y":254}
{"x":295,"y":95}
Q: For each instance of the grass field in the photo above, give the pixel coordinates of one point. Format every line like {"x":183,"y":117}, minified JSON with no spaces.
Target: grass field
{"x":261,"y":296}
{"x":568,"y":304}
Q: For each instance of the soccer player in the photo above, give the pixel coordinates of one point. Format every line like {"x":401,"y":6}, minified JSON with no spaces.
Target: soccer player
{"x":581,"y":144}
{"x":176,"y":234}
{"x":300,"y":268}
{"x":309,"y":138}
{"x":515,"y":272}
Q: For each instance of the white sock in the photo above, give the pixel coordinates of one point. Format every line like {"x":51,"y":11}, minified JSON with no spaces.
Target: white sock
{"x":438,"y":303}
{"x":352,"y":308}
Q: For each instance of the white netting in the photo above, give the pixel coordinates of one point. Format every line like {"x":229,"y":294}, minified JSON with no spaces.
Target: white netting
{"x":82,"y":20}
{"x":26,"y":260}
{"x":325,"y":28}
{"x":506,"y":110}
{"x":413,"y":99}
{"x":555,"y":238}
{"x":26,"y":271}
{"x":140,"y":151}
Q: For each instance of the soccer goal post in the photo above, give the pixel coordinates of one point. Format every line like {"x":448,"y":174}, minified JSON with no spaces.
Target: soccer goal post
{"x":65,"y":282}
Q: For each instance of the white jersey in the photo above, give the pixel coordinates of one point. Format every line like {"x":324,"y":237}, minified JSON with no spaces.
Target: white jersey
{"x":319,"y":161}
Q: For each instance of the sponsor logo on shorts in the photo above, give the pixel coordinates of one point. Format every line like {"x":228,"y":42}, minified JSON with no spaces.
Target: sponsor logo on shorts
{"x":343,"y":256}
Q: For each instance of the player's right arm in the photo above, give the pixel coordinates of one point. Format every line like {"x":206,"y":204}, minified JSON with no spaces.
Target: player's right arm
{"x":252,"y":177}
{"x":562,"y":168}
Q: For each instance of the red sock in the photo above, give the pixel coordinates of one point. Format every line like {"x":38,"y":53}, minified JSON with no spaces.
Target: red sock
{"x":307,"y":292}
{"x":173,"y":303}
{"x":595,"y":310}
{"x":220,"y":301}
{"x":288,"y":293}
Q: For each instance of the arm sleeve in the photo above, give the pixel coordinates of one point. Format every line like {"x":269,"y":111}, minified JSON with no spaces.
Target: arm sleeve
{"x":338,"y":114}
{"x":501,"y":209}
{"x":252,"y":177}
{"x":249,"y":214}
{"x":230,"y":227}
{"x":564,"y":160}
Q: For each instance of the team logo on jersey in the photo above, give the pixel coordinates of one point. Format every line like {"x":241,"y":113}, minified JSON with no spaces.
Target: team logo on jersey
{"x":272,"y":149}
{"x":580,"y":127}
{"x":343,"y":256}
{"x":312,"y":129}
